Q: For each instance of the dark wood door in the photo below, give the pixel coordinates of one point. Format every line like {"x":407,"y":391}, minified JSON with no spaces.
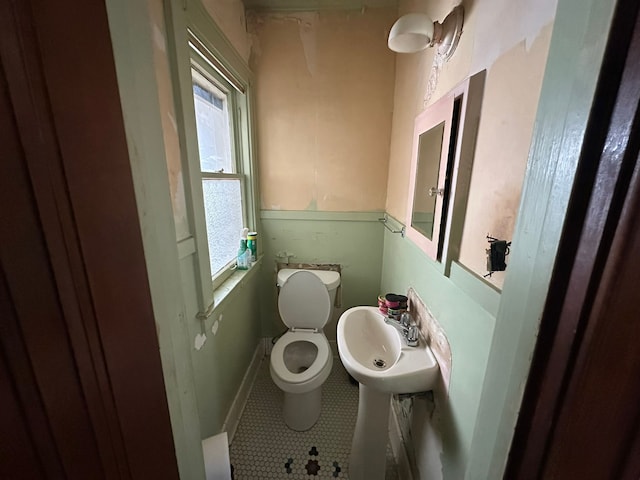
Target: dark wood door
{"x":81,"y":388}
{"x":581,"y":412}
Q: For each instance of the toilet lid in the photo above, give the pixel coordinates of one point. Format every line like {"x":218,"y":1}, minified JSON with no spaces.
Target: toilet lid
{"x":304,"y":301}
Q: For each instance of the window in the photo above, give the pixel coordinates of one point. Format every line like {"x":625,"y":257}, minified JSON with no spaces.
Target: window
{"x":213,"y":96}
{"x":220,"y":130}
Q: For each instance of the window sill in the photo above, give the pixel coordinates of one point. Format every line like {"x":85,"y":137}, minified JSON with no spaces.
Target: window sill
{"x":233,"y":285}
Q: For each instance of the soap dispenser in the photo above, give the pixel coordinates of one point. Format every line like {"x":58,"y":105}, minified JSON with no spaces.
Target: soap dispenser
{"x":243,"y":261}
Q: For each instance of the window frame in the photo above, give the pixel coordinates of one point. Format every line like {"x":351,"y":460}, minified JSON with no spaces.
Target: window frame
{"x":191,"y":24}
{"x":227,"y":89}
{"x":200,"y":64}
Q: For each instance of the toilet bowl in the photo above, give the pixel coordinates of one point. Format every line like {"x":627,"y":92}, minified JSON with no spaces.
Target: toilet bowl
{"x":301,"y":359}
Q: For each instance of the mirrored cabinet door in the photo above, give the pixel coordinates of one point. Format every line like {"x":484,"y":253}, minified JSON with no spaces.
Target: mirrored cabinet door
{"x":431,"y":138}
{"x":444,"y":140}
{"x":428,"y":186}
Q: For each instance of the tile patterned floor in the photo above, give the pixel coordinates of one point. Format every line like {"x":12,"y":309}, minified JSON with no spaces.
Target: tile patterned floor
{"x":264,"y":448}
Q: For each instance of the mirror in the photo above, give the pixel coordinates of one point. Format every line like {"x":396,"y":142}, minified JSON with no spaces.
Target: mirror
{"x":428,"y":168}
{"x":443,"y":147}
{"x":427,"y":174}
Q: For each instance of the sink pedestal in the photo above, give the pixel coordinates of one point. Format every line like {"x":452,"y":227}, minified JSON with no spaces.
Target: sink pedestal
{"x":369,"y":447}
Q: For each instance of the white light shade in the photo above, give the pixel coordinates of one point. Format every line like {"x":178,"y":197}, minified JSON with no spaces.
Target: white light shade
{"x":411,"y":33}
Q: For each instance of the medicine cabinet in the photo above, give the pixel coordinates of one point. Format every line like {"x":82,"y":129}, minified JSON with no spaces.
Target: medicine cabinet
{"x":444,"y":141}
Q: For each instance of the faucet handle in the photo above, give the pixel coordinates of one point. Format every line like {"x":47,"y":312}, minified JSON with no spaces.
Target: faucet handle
{"x":405,"y":319}
{"x":413,"y":336}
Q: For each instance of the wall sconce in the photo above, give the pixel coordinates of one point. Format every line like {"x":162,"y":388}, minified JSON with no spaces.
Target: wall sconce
{"x":416,"y":31}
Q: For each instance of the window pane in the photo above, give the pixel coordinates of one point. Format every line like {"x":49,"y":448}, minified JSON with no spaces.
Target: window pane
{"x":223,"y":211}
{"x":212,"y":125}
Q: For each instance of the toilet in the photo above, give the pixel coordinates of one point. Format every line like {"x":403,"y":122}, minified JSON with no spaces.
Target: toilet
{"x":301,"y":359}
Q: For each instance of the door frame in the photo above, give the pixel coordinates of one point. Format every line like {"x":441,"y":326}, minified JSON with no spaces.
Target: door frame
{"x":73,"y":173}
{"x":573,"y":395}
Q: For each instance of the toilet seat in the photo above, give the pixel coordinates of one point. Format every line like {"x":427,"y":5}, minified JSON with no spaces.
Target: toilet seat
{"x":322,"y":357}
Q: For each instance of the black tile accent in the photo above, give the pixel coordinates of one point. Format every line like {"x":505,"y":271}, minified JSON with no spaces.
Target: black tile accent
{"x":312,"y":467}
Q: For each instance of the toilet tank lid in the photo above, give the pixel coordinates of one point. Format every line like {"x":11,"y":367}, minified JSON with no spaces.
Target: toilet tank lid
{"x":329,"y":278}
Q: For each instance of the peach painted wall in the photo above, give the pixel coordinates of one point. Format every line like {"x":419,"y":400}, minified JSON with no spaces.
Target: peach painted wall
{"x":324,"y":89}
{"x":510,"y":39}
{"x":230,"y":18}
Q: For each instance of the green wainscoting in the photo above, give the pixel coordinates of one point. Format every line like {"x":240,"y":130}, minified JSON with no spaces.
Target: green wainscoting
{"x":469,"y":328}
{"x":220,"y":365}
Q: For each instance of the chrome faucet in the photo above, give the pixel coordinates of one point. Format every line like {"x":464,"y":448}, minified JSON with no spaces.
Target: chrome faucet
{"x":407,"y":327}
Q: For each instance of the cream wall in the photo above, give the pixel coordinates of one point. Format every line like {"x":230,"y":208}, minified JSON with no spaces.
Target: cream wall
{"x":324,"y":89}
{"x":230,"y":18}
{"x":510,"y":40}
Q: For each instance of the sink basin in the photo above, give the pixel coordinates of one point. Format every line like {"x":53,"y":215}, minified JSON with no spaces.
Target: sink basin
{"x":376,"y":355}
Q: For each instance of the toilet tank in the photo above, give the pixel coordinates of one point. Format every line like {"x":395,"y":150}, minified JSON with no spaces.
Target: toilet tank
{"x":330,"y":279}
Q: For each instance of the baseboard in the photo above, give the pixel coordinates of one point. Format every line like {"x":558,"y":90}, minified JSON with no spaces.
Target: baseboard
{"x":268,"y":345}
{"x":397,"y":446}
{"x":235,"y":412}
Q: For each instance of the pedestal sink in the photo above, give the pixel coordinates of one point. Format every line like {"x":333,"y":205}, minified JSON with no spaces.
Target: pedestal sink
{"x":377,"y":356}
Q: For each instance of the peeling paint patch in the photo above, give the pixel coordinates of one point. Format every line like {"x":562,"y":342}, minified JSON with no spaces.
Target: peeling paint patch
{"x":307,"y":30}
{"x":432,"y":83}
{"x":172,"y":119}
{"x":158,"y":38}
{"x":200,"y":339}
{"x":417,"y":419}
{"x":436,"y":338}
{"x":494,"y":37}
{"x":313,"y":205}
